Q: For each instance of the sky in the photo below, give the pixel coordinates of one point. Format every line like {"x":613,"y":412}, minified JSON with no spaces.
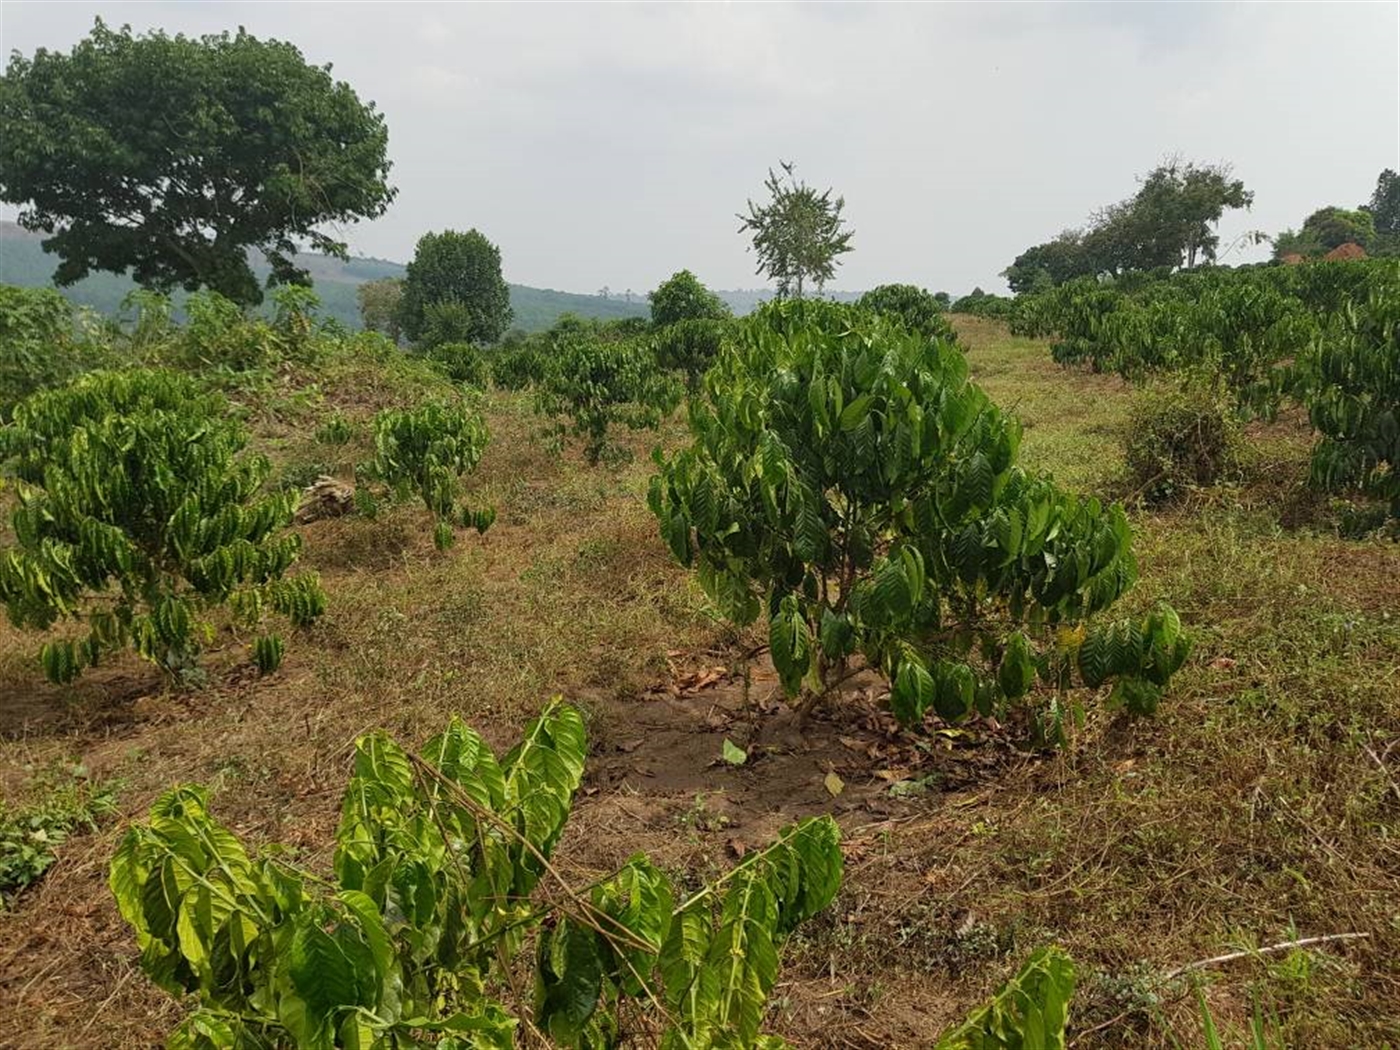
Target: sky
{"x":611,"y":145}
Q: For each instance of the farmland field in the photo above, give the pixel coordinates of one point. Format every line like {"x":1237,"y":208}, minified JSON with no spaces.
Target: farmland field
{"x":1258,"y":807}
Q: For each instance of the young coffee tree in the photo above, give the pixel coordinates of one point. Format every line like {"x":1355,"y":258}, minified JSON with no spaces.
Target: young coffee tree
{"x":38,"y":344}
{"x":426,"y":451}
{"x":139,"y":513}
{"x":590,"y":385}
{"x":849,"y":485}
{"x":1350,"y":383}
{"x":441,"y":880}
{"x":916,"y":308}
{"x":689,"y":347}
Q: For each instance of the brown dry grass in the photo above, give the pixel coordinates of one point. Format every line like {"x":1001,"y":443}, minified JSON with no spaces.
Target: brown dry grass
{"x":1261,"y":800}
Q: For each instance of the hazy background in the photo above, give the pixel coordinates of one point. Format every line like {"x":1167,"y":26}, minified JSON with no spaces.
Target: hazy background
{"x":612,"y":145}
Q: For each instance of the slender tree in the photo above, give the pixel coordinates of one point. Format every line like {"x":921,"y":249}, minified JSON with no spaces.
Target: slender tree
{"x":798,"y":235}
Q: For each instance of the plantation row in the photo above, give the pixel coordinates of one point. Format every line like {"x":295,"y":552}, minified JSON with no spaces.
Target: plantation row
{"x":1324,"y":336}
{"x":845,"y":484}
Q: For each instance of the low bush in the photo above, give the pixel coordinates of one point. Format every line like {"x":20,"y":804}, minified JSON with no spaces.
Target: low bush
{"x":461,"y":362}
{"x":31,"y":835}
{"x":1180,"y":438}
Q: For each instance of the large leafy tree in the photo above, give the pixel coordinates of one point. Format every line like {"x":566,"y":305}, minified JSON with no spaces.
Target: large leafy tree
{"x":1057,"y":261}
{"x":173,"y":157}
{"x":453,"y":291}
{"x":799,"y":235}
{"x":1331,"y":227}
{"x":1177,"y":209}
{"x":683,"y":298}
{"x":1325,"y":229}
{"x":1169,"y":223}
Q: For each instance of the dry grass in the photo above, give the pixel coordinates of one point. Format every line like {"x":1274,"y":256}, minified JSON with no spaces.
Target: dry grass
{"x":1261,"y":800}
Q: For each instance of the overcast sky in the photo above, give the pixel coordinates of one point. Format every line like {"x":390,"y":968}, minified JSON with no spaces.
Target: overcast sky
{"x":613,"y":144}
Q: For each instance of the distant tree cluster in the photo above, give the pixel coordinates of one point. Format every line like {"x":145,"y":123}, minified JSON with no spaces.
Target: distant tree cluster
{"x":1169,"y":223}
{"x":1374,"y":226}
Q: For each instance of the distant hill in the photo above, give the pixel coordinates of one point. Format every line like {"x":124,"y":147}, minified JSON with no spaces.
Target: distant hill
{"x":745,"y":300}
{"x":24,"y":262}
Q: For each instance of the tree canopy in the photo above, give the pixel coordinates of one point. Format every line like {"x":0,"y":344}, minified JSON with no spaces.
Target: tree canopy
{"x":683,"y":298}
{"x":379,"y":305}
{"x":173,"y":157}
{"x":1169,"y":223}
{"x":1058,"y":260}
{"x":453,"y":290}
{"x":798,"y":235}
{"x":1384,"y":205}
{"x":1325,"y":229}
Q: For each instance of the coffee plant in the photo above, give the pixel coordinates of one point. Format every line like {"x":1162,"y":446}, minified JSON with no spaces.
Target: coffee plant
{"x":690,"y":346}
{"x":336,"y":430}
{"x":1351,"y":387}
{"x":590,"y":385}
{"x":460,"y":362}
{"x":441,"y":879}
{"x":1321,"y":335}
{"x":517,"y":362}
{"x":38,"y":343}
{"x":915,"y":307}
{"x":139,"y":512}
{"x":1029,"y":1012}
{"x":426,"y":451}
{"x":847,"y":483}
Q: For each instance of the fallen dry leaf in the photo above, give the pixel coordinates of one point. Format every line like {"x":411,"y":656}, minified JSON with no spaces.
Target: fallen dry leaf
{"x":834,"y":784}
{"x":892,"y":775}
